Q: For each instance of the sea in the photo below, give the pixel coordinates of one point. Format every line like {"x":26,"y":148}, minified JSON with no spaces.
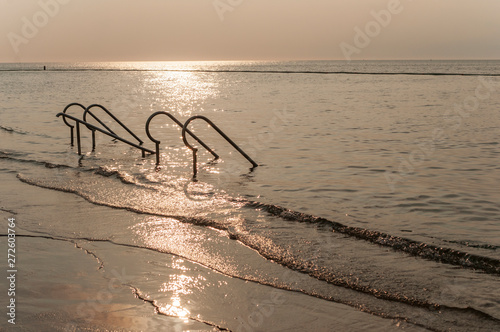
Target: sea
{"x":375,"y":204}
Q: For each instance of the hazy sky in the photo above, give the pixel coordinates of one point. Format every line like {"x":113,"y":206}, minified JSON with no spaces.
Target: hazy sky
{"x":123,"y":30}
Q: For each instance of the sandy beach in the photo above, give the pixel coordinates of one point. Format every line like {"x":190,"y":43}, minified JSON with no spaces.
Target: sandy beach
{"x":74,"y":284}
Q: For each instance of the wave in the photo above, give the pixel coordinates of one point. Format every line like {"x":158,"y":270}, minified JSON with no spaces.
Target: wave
{"x":414,"y":248}
{"x":12,"y":130}
{"x":21,"y":132}
{"x":397,"y":243}
{"x":193,"y":220}
{"x":294,"y":262}
{"x":10,"y":156}
{"x":471,"y":244}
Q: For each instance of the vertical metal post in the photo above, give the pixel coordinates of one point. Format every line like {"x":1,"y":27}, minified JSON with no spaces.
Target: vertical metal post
{"x":195,"y":160}
{"x":93,"y":140}
{"x":78,"y":139}
{"x":157,"y":153}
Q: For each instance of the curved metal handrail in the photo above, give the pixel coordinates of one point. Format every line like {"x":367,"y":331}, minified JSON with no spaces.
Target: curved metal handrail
{"x":173,"y":118}
{"x":94,"y":128}
{"x":87,"y":111}
{"x":195,"y":150}
{"x":69,"y":125}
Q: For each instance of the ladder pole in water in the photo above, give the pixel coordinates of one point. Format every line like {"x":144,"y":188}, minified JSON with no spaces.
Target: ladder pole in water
{"x":195,"y":162}
{"x":157,"y":153}
{"x":78,"y":138}
{"x":93,"y":140}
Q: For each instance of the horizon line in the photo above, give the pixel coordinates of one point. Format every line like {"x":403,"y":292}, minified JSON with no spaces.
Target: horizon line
{"x":250,"y":60}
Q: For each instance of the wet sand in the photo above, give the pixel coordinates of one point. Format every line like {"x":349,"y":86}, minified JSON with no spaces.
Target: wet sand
{"x":71,"y":284}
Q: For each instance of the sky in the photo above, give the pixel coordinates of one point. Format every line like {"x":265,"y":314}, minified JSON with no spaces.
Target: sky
{"x":178,"y":30}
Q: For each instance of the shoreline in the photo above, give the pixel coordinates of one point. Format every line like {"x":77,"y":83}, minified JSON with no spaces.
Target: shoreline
{"x":71,"y":285}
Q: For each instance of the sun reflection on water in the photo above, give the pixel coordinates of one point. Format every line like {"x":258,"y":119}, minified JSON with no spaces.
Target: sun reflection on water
{"x":175,"y":309}
{"x":184,"y":92}
{"x":186,"y":240}
{"x":180,"y":285}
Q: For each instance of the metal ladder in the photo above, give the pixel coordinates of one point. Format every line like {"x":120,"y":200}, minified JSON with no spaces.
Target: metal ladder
{"x":157,"y":142}
{"x":195,"y":150}
{"x":107,"y":131}
{"x":185,"y":131}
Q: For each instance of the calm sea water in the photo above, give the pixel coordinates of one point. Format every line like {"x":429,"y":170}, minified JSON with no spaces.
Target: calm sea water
{"x":377,"y":181}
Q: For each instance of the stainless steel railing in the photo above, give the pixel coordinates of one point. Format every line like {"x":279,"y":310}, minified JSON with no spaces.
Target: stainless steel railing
{"x":173,"y":118}
{"x":93,"y":128}
{"x":195,"y":150}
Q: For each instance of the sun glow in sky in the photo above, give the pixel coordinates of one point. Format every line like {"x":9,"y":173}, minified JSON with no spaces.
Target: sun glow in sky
{"x":160,"y":30}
